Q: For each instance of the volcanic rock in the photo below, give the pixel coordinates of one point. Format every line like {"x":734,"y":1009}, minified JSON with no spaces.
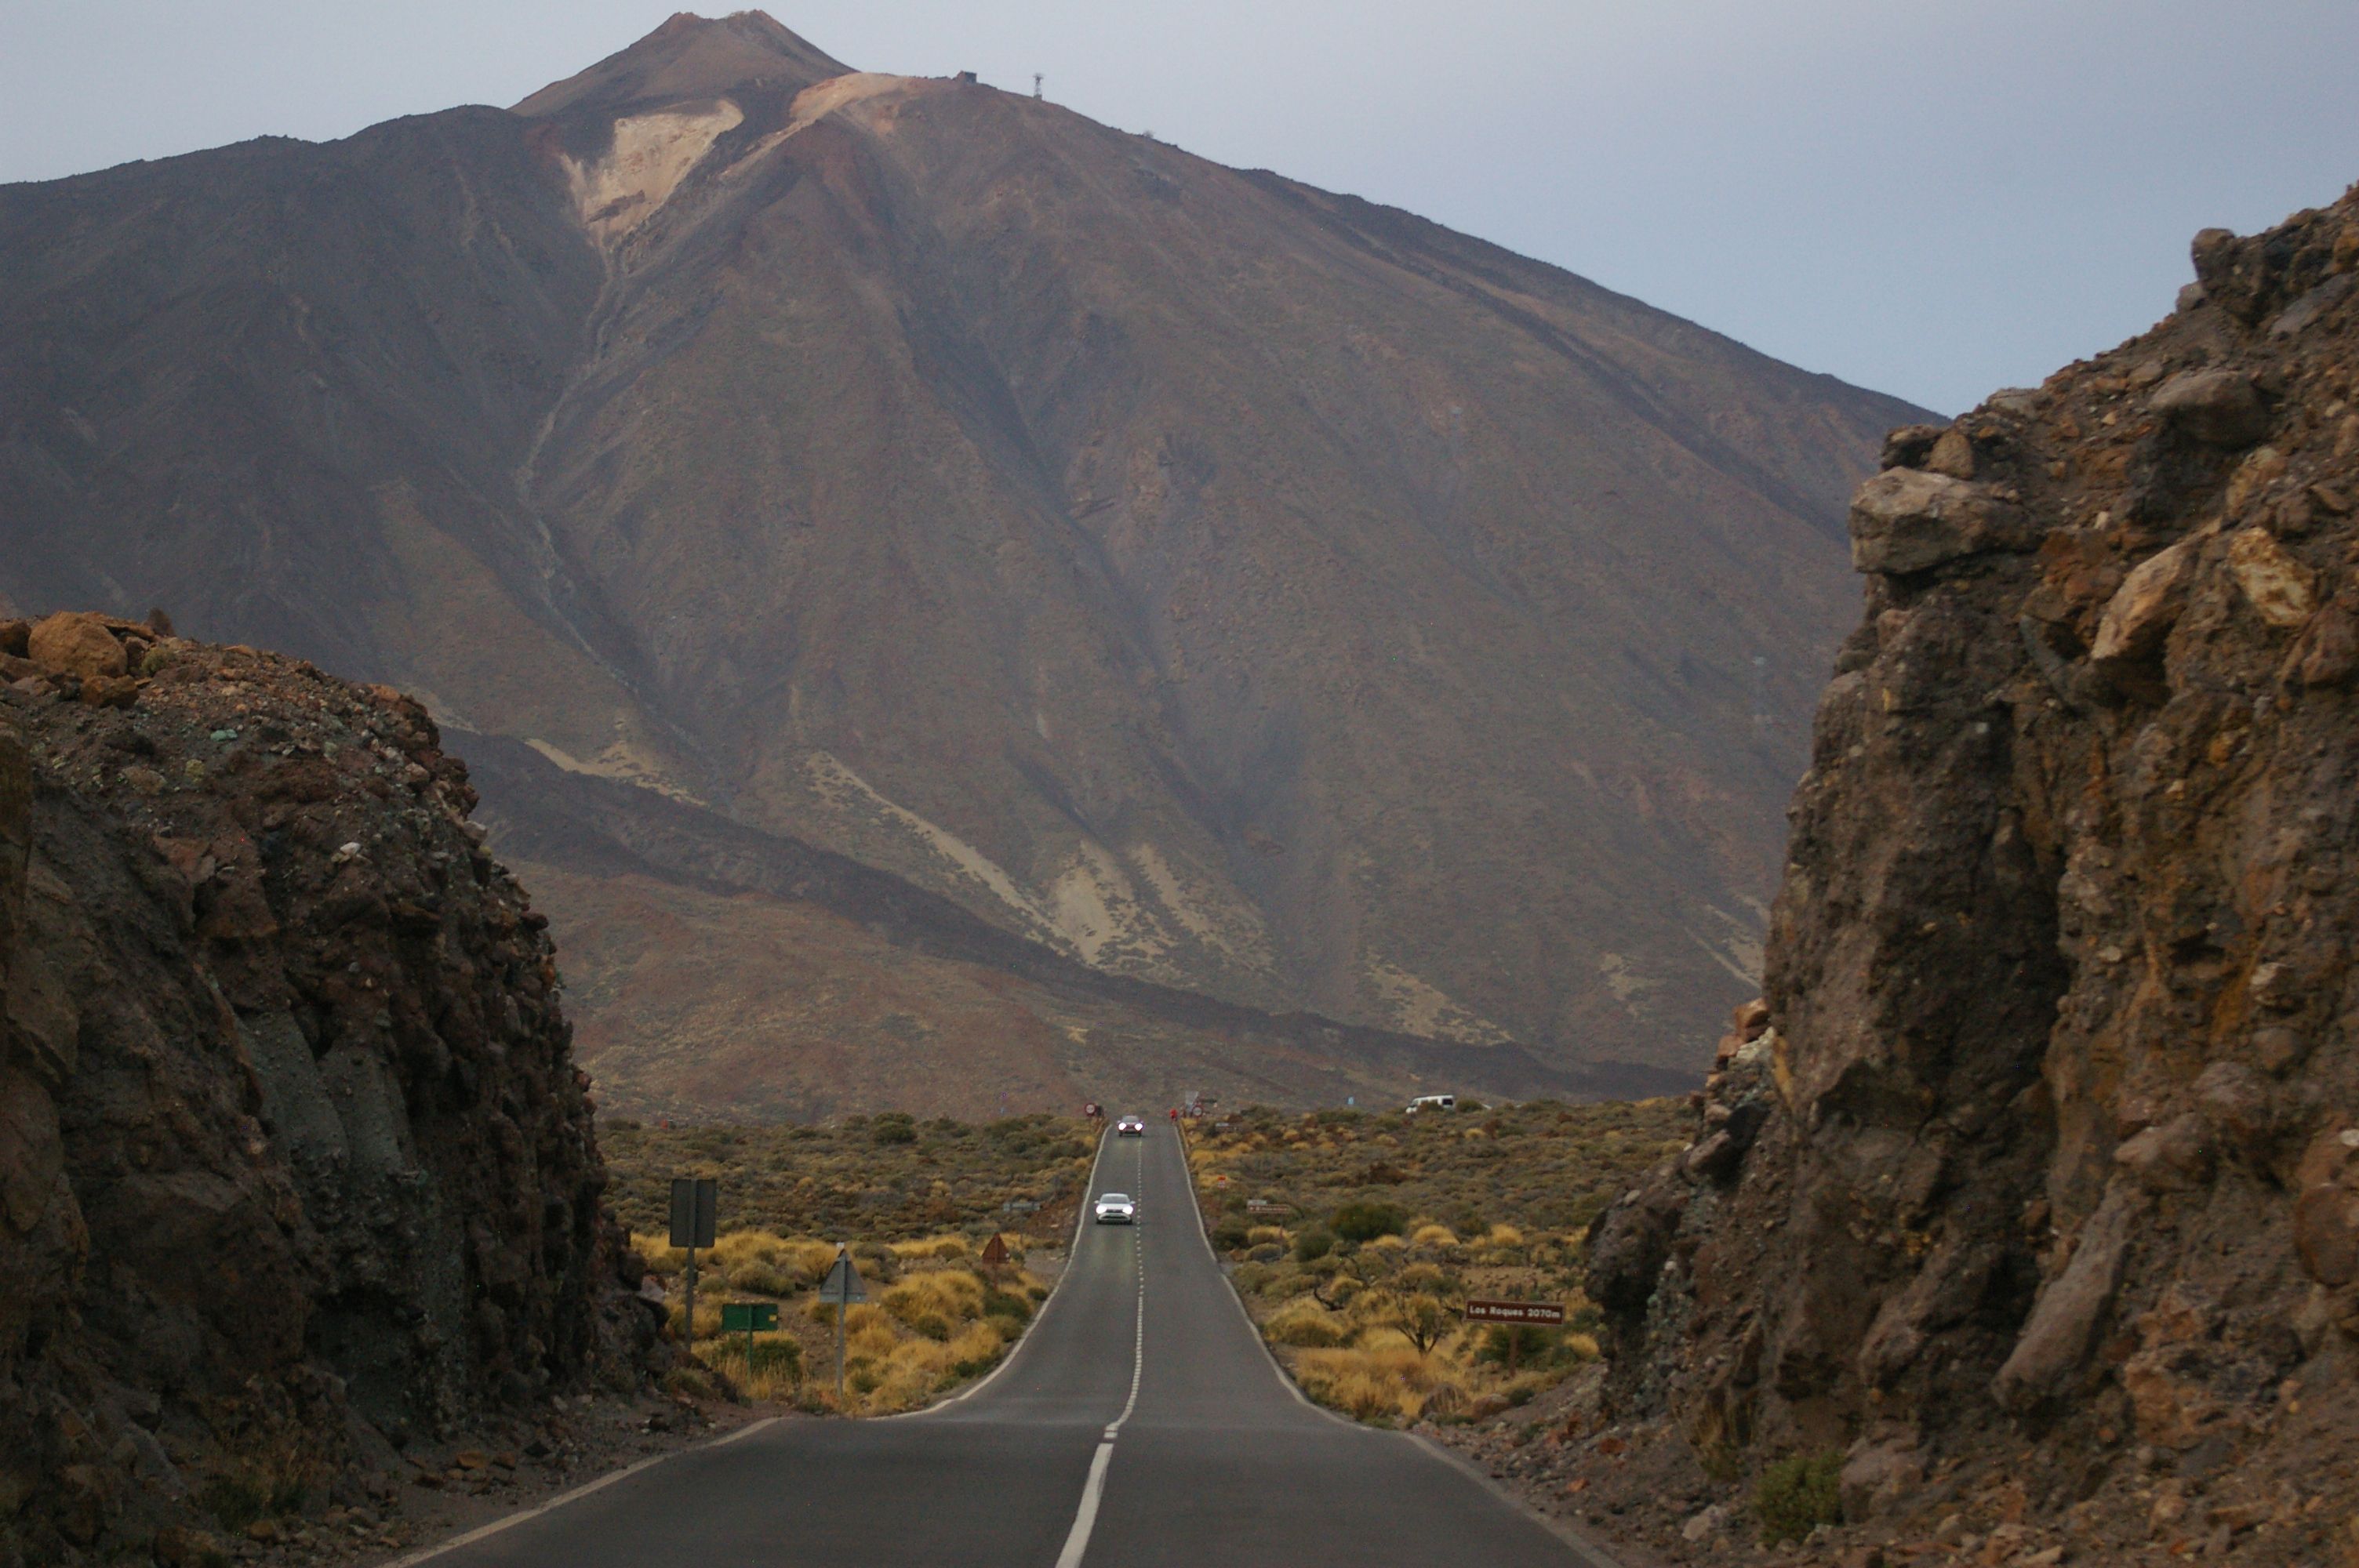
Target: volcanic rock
{"x":294,"y":1158}
{"x":2062,"y":978}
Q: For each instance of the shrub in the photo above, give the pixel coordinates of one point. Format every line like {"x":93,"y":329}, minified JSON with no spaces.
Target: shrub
{"x":1005,"y":1304}
{"x":1261,"y":1235}
{"x":1232,"y":1234}
{"x":691,"y":1381}
{"x":1305,"y":1326}
{"x":1798,"y":1494}
{"x":1312,"y":1245}
{"x":764,"y":1280}
{"x":1366,"y":1221}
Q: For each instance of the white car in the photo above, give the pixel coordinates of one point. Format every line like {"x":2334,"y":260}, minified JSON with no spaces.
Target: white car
{"x":1130,"y":1126}
{"x":1115,"y":1208}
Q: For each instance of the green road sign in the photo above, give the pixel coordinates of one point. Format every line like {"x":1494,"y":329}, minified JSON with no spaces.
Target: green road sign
{"x":750,"y":1316}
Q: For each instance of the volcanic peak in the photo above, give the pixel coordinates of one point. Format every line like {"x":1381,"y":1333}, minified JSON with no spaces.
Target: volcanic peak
{"x":688,"y":57}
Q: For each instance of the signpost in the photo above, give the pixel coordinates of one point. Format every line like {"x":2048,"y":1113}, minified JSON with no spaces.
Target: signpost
{"x":841,"y":1288}
{"x":1545,"y":1315}
{"x":1268,"y":1209}
{"x":995,"y":1252}
{"x":695,"y":1211}
{"x":1537,"y":1314}
{"x":749,"y":1316}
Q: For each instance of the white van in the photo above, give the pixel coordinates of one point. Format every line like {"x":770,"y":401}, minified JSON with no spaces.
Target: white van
{"x":1432,"y":1102}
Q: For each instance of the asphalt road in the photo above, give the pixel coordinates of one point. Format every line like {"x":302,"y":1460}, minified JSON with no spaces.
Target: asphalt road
{"x":1139,"y":1423}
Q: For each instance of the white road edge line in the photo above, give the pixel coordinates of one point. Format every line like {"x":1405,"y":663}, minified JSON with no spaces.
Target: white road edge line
{"x":1081,"y":1219}
{"x":1090,"y":1495}
{"x":575,"y":1496}
{"x":1582,"y":1546}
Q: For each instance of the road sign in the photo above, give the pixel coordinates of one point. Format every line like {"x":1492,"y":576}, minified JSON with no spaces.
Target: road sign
{"x":695,"y":1209}
{"x":695,"y":1217}
{"x":842,"y":1287}
{"x":1545,"y":1313}
{"x":995,"y":1252}
{"x":1268,"y":1206}
{"x":750,"y":1315}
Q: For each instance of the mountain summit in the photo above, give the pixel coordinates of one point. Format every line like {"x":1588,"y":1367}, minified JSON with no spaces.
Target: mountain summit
{"x":688,"y":57}
{"x":877,"y":536}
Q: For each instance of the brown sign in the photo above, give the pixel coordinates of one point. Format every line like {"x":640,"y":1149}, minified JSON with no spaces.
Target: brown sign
{"x":1545,"y":1313}
{"x":995,"y":1252}
{"x":1266,"y":1206}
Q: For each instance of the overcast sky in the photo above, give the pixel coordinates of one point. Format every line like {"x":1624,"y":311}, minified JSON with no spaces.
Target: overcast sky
{"x":1936,"y":199}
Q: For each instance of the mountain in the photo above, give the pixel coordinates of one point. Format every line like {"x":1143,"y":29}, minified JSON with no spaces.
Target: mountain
{"x":1219,"y":584}
{"x":2033,"y":1190}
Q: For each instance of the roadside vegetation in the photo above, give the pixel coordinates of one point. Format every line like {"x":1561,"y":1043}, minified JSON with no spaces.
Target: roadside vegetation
{"x":1355,"y":1238}
{"x":917,"y":1202}
{"x":890,"y":1177}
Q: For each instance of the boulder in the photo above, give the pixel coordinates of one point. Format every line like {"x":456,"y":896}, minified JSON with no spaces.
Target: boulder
{"x":2281,"y":590}
{"x":2172,"y":1157}
{"x":2329,"y":651}
{"x":2056,"y":1338}
{"x":2218,"y":408}
{"x":1906,"y":520}
{"x":1877,"y":1476}
{"x":2144,"y":607}
{"x":76,"y":643}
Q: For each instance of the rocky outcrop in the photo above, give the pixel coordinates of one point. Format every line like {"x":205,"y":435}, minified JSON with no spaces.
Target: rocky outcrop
{"x":2057,"y":1180}
{"x":294,"y":1161}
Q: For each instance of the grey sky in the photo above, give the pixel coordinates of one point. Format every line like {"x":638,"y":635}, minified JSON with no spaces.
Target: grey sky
{"x":1933,"y":199}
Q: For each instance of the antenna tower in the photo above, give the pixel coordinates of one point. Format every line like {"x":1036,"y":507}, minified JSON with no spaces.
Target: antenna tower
{"x":1036,"y":84}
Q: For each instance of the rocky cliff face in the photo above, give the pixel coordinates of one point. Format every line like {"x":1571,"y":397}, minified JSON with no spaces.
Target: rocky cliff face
{"x":2035,"y":1187}
{"x":293,"y":1159}
{"x":1215,"y":582}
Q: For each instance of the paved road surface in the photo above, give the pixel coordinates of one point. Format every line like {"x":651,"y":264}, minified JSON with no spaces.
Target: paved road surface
{"x":1140,"y":1398}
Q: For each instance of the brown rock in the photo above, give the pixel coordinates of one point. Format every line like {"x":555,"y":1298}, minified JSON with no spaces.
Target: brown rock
{"x":2329,"y":649}
{"x":2326,"y":1234}
{"x":1906,"y":520}
{"x":1907,"y":446}
{"x":15,"y":635}
{"x":2219,"y":407}
{"x":75,"y":643}
{"x":2281,"y":590}
{"x":2056,"y":1338}
{"x":2171,"y":1157}
{"x":2144,"y":607}
{"x":1751,"y":1020}
{"x":1952,"y":454}
{"x":109,"y":691}
{"x":2253,"y":478}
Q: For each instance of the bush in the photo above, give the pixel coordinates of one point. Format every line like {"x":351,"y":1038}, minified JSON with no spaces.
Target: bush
{"x":763,"y":1280}
{"x":1798,"y":1494}
{"x":1366,"y":1221}
{"x":1232,"y":1234}
{"x":1002,"y":1303}
{"x":1312,"y":1245}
